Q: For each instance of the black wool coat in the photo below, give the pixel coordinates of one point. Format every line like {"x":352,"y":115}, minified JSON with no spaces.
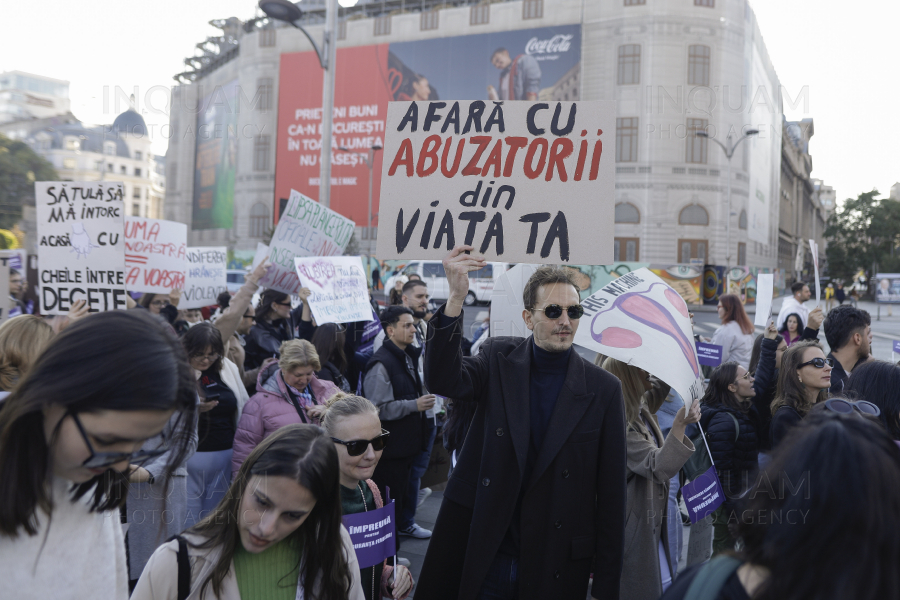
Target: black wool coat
{"x":573,"y":510}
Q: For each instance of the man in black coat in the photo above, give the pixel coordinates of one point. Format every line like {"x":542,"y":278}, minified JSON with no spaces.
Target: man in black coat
{"x":536,"y":502}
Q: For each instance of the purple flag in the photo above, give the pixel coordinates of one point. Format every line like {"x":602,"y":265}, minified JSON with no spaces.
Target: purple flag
{"x":374,"y":535}
{"x":896,"y":345}
{"x":703,"y":495}
{"x":709,"y":354}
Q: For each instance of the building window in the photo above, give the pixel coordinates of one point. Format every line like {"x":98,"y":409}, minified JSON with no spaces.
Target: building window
{"x":480,"y":14}
{"x":135,"y":209}
{"x":698,"y":65}
{"x":259,"y":220}
{"x":137,"y":171}
{"x":626,"y":249}
{"x":136,"y":194}
{"x":627,"y":213}
{"x":696,"y":146}
{"x":138,"y":155}
{"x":68,"y":163}
{"x":267,"y":37}
{"x":342,"y":30}
{"x":109,"y":167}
{"x":383,"y":25}
{"x":742,"y":222}
{"x":693,"y":214}
{"x":430,"y":19}
{"x":626,"y":139}
{"x":708,"y":3}
{"x":629,"y":64}
{"x":635,"y":2}
{"x":742,"y":253}
{"x":123,"y":170}
{"x":261,"y":153}
{"x":691,"y":250}
{"x":72,"y":143}
{"x":264,"y":87}
{"x":532,"y":9}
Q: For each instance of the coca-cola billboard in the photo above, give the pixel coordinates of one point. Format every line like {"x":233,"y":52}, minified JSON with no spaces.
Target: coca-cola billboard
{"x":554,"y":45}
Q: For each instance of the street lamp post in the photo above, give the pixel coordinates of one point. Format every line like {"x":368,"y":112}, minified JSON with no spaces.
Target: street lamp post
{"x":369,"y":159}
{"x":728,"y":148}
{"x":283,"y":10}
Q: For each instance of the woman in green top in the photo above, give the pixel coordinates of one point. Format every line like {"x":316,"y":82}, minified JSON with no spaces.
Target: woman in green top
{"x":277,"y":534}
{"x":353,"y":424}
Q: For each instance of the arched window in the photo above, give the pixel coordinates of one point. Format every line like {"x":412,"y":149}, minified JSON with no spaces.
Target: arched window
{"x":259,"y":220}
{"x":742,"y":221}
{"x":693,"y":214}
{"x":627,"y":213}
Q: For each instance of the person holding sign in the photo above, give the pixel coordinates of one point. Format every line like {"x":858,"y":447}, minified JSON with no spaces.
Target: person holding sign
{"x":536,"y":502}
{"x":276,"y":534}
{"x":353,"y":424}
{"x":803,"y":381}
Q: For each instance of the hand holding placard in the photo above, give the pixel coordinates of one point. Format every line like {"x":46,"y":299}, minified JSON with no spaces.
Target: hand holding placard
{"x":457,"y":265}
{"x":816,"y":316}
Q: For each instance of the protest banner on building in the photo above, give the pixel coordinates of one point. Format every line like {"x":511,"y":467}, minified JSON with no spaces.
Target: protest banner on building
{"x":340,"y":293}
{"x":155,"y":255}
{"x":81,"y":245}
{"x":520,"y":181}
{"x":206,"y":277}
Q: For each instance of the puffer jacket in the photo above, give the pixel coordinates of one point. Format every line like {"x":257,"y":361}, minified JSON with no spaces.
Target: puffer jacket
{"x":271,"y":408}
{"x":736,"y":461}
{"x":264,"y":341}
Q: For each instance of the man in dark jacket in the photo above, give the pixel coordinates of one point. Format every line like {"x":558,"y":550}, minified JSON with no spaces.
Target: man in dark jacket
{"x":536,"y":502}
{"x":848,"y":331}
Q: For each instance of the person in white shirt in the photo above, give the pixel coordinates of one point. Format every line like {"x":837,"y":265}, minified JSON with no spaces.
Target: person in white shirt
{"x":794,"y":304}
{"x":736,"y":333}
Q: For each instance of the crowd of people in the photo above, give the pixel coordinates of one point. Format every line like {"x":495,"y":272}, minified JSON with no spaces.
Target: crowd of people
{"x":171,"y":454}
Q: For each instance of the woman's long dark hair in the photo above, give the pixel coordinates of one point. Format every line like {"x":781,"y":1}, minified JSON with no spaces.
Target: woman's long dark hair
{"x":878,"y":382}
{"x":329,"y":341}
{"x":118,"y":360}
{"x":202,"y":336}
{"x":783,"y":327}
{"x":791,"y":391}
{"x":268,"y":298}
{"x":836,"y":478}
{"x":717,"y":392}
{"x":306,"y":455}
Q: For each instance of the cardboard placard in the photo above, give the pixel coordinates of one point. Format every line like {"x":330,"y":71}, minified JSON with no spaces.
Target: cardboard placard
{"x":206,"y":276}
{"x":765,"y":292}
{"x":814,"y":248}
{"x":373,"y":533}
{"x":81,"y":245}
{"x":155,"y":255}
{"x":340,"y":293}
{"x":507,"y":304}
{"x":709,"y":355}
{"x":525,"y":182}
{"x":306,"y":228}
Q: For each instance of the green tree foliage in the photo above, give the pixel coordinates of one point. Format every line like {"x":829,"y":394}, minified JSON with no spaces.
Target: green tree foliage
{"x":20,"y":167}
{"x":864,"y":233}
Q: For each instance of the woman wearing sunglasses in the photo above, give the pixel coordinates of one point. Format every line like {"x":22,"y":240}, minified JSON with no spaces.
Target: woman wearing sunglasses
{"x":354,"y":426}
{"x":275,"y":324}
{"x":804,"y":380}
{"x":277,"y":534}
{"x":878,"y":382}
{"x":69,"y":435}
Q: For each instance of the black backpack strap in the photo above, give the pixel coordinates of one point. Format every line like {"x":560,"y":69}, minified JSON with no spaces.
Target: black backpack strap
{"x":711,"y":577}
{"x":184,"y":569}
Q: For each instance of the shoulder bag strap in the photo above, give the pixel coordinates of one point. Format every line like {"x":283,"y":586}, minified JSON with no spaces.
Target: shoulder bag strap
{"x":711,"y":577}
{"x":184,"y":569}
{"x":295,"y":402}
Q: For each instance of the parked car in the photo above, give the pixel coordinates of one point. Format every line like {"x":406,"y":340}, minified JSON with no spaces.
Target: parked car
{"x":481,"y":282}
{"x":234,"y":279}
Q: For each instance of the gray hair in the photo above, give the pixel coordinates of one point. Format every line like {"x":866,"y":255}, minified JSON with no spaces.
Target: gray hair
{"x":343,"y":405}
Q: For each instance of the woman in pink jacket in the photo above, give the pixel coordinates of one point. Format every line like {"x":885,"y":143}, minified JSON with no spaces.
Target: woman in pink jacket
{"x":286,"y":392}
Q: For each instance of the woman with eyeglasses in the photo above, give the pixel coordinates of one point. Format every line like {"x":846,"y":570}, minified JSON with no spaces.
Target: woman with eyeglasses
{"x":162,"y":304}
{"x":275,"y":324}
{"x":736,"y":333}
{"x":354,"y":426}
{"x":804,"y":380}
{"x":222,"y":399}
{"x":878,"y":382}
{"x":276,"y":535}
{"x":69,"y":435}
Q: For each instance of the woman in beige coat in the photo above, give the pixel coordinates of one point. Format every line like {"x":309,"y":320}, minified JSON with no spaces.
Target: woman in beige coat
{"x":651,"y":463}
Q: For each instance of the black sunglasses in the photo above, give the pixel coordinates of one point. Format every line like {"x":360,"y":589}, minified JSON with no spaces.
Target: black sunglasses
{"x":357,"y":447}
{"x":288,"y":303}
{"x":818,"y":363}
{"x":101,"y":460}
{"x":839,"y":405}
{"x":555,"y":311}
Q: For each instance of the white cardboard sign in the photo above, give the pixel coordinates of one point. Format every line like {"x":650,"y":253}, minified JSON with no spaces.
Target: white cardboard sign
{"x":155,"y":255}
{"x":765,"y":289}
{"x":339,"y":287}
{"x":6,"y":260}
{"x":507,"y":304}
{"x":206,"y":277}
{"x":81,"y":245}
{"x":529,"y":182}
{"x":637,"y":319}
{"x":306,"y":228}
{"x":814,"y":248}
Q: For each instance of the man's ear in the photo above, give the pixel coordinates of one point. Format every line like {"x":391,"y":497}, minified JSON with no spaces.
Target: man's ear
{"x":528,"y":317}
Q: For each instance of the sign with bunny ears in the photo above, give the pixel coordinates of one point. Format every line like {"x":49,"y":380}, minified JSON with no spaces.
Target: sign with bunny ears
{"x":639,"y":320}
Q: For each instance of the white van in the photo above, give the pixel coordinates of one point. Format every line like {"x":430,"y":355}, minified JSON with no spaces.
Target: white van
{"x":481,"y":282}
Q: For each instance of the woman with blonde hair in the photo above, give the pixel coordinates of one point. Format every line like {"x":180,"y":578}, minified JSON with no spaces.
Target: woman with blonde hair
{"x":803,"y":381}
{"x":22,"y":340}
{"x":651,"y":463}
{"x":286,"y":392}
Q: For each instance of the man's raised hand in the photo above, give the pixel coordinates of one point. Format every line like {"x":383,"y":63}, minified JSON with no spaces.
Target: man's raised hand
{"x":457,"y":265}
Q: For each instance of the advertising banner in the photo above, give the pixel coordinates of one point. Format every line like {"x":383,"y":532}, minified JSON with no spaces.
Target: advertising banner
{"x":374,"y":534}
{"x":888,"y":290}
{"x":81,"y":245}
{"x":155,"y":255}
{"x":340,"y":293}
{"x":206,"y":277}
{"x":216,"y":158}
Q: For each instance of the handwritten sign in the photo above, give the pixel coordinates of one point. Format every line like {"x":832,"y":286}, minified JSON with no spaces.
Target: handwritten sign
{"x":339,"y":287}
{"x":528,"y":182}
{"x":374,"y":535}
{"x":703,"y":495}
{"x":636,"y":319}
{"x":206,"y":277}
{"x":81,"y":245}
{"x":6,"y":259}
{"x":709,"y":354}
{"x":765,"y":292}
{"x":305,"y":229}
{"x":155,"y":255}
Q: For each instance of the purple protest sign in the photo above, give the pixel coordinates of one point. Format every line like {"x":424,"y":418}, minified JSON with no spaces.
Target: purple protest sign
{"x":896,"y":345}
{"x":709,"y":354}
{"x":703,"y":495}
{"x":374,"y":535}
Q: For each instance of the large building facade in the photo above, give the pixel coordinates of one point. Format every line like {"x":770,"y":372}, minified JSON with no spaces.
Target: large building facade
{"x":29,"y":96}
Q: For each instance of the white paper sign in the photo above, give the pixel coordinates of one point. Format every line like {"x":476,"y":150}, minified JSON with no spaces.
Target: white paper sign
{"x":155,"y":255}
{"x":529,"y":182}
{"x":339,"y":287}
{"x":640,"y":320}
{"x":262,"y":253}
{"x":206,"y":277}
{"x":765,"y":290}
{"x":306,"y":228}
{"x":814,"y":248}
{"x":6,"y":260}
{"x":507,"y":304}
{"x":81,"y":245}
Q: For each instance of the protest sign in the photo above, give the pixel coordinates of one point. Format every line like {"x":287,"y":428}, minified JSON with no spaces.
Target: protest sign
{"x":703,"y":495}
{"x":520,"y":181}
{"x":18,"y":260}
{"x":709,"y":355}
{"x":637,"y":319}
{"x":340,"y":293}
{"x":206,"y":277}
{"x":699,"y":541}
{"x":374,"y":534}
{"x":814,"y":248}
{"x":80,"y":245}
{"x":765,"y":291}
{"x":507,"y":304}
{"x":155,"y":255}
{"x":6,"y":258}
{"x":306,"y":228}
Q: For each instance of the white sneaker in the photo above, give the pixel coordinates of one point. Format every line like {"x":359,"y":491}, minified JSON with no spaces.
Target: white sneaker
{"x":416,"y":532}
{"x":423,"y":496}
